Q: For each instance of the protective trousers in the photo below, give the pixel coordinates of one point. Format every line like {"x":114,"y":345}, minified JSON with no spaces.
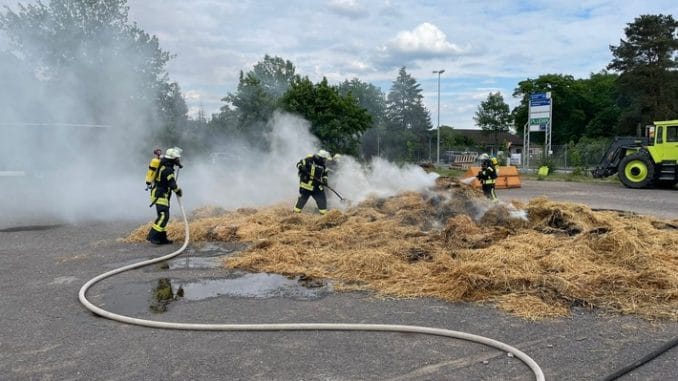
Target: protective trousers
{"x":488,"y":191}
{"x":158,"y":232}
{"x":318,"y":196}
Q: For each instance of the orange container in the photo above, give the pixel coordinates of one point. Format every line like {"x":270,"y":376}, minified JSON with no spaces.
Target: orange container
{"x":508,"y":177}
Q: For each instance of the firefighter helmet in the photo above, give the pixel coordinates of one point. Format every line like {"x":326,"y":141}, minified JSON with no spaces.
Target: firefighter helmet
{"x":324,"y":154}
{"x":173,"y":153}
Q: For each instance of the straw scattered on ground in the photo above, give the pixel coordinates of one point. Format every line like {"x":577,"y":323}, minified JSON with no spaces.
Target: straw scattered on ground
{"x":534,"y":260}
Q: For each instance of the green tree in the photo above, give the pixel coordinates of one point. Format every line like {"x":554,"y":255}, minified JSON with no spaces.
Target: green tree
{"x":600,"y":94}
{"x":338,"y":121}
{"x":581,"y":107}
{"x":274,"y":74}
{"x":173,"y":111}
{"x":493,"y":116}
{"x":407,"y":120}
{"x":372,"y":99}
{"x":368,"y":96}
{"x":87,"y":52}
{"x":569,"y":114}
{"x":257,"y":97}
{"x":647,"y":62}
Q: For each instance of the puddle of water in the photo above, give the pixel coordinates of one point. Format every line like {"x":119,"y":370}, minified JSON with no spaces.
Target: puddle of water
{"x":189,"y":263}
{"x":247,"y":285}
{"x":156,"y":296}
{"x":212,"y":248}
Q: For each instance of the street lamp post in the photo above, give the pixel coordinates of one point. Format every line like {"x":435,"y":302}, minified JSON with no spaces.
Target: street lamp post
{"x":438,"y":154}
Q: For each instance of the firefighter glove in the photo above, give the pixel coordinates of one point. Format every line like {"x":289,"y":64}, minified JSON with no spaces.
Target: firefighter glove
{"x":179,"y":192}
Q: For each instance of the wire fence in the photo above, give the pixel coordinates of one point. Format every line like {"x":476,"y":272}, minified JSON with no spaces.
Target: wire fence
{"x":582,"y":156}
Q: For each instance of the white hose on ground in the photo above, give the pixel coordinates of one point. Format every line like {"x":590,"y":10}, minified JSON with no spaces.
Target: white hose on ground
{"x":285,"y":327}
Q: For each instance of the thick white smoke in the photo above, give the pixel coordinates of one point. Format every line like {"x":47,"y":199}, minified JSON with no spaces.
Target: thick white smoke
{"x":244,"y":177}
{"x":95,"y":187}
{"x":76,"y":140}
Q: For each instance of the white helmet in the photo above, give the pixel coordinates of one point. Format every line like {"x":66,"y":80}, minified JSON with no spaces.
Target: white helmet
{"x":483,"y":157}
{"x":324,"y":154}
{"x":173,"y":153}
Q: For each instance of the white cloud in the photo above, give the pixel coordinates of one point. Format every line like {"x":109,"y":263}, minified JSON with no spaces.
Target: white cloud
{"x":425,"y":39}
{"x":480,"y":44}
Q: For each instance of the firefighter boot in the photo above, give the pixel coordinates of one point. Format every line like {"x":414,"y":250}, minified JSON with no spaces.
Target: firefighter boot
{"x":163,"y":239}
{"x":154,"y":237}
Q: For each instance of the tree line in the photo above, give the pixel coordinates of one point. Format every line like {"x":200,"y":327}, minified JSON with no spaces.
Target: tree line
{"x":84,"y":47}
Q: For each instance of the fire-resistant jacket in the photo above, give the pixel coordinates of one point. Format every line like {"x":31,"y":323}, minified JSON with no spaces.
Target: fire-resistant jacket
{"x":165,"y":183}
{"x":312,"y":173}
{"x":487,"y":175}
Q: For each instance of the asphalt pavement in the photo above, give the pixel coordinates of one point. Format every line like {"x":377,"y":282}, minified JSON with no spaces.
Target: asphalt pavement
{"x":45,"y":334}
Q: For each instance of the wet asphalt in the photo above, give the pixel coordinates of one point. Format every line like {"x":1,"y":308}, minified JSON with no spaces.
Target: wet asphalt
{"x":45,"y":334}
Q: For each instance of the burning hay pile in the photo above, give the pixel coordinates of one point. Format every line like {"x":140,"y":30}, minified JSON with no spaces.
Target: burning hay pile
{"x":535,"y":260}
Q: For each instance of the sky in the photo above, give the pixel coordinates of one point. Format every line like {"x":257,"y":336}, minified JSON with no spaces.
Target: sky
{"x":483,"y":46}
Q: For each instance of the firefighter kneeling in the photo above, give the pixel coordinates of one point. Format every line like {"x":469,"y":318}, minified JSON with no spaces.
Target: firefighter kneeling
{"x":488,"y":177}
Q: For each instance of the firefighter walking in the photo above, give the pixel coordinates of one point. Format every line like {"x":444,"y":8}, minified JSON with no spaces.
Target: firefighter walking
{"x":313,"y":172}
{"x":165,"y":184}
{"x":488,"y":178}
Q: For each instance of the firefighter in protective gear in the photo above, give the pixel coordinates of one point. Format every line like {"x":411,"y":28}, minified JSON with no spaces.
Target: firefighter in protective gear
{"x":153,"y":168}
{"x":488,"y":177}
{"x":165,"y":184}
{"x":313,"y":172}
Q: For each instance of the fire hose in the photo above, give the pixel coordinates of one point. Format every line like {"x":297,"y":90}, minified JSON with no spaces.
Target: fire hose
{"x":82,"y":296}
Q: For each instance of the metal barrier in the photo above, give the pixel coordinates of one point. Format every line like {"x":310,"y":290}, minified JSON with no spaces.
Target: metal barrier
{"x":462,"y":160}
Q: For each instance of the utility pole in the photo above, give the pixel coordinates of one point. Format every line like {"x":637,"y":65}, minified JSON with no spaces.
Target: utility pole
{"x":438,"y":154}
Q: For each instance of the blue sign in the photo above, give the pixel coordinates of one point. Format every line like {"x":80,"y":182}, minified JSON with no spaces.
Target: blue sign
{"x":540,"y":102}
{"x":537,"y":96}
{"x":540,"y":99}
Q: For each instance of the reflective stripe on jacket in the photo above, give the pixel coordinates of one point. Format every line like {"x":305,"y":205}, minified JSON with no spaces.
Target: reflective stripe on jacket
{"x":165,"y":183}
{"x":487,"y":175}
{"x":311,"y":174}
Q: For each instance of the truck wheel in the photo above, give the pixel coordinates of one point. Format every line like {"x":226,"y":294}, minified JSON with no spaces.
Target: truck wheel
{"x":636,"y":171}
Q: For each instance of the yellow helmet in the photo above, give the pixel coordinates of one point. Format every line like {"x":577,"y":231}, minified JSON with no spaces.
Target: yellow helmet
{"x":494,"y":161}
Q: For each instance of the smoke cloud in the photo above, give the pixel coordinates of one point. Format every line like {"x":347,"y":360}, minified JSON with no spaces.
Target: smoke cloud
{"x":76,"y":140}
{"x":241,"y":176}
{"x":83,"y":173}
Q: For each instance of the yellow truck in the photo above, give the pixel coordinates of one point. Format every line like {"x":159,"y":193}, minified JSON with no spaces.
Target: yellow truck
{"x":643,"y":162}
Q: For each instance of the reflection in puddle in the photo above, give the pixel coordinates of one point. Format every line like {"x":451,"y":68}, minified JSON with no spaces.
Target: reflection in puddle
{"x":260,"y":285}
{"x":162,"y":295}
{"x":138,"y":297}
